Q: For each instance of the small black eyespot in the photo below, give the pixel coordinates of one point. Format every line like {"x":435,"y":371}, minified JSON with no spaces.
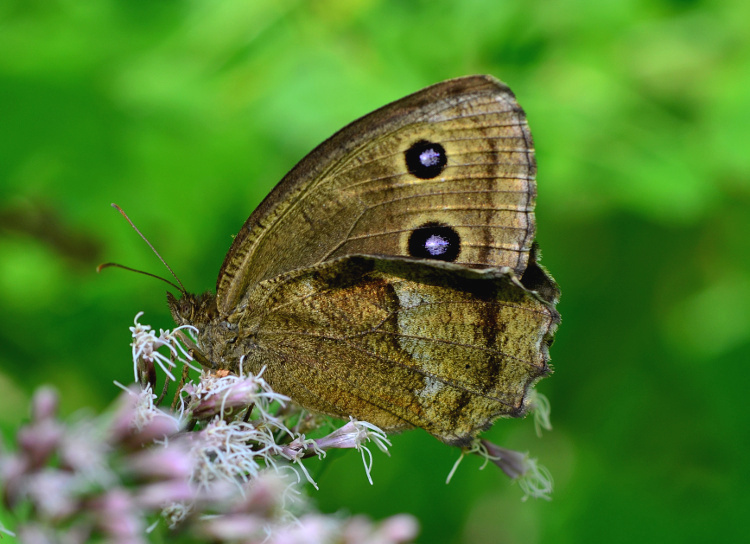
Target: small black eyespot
{"x":425,"y":160}
{"x":435,"y":241}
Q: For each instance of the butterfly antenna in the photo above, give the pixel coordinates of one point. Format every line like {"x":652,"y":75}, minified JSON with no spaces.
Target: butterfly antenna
{"x":180,"y":288}
{"x":117,"y":265}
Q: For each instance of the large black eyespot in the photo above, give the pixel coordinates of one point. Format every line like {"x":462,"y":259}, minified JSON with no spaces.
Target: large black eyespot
{"x":425,"y":159}
{"x":435,"y":241}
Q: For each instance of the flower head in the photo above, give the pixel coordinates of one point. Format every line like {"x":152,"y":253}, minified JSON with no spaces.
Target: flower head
{"x":145,"y":350}
{"x":534,"y":479}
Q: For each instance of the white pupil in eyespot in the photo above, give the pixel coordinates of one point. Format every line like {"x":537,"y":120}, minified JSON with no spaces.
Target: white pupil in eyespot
{"x":436,"y":245}
{"x":429,"y":157}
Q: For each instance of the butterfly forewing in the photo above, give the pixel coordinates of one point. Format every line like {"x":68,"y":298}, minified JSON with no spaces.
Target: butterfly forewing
{"x":360,"y":193}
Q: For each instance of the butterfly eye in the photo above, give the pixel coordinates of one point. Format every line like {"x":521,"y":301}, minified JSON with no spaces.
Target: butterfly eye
{"x":435,"y":241}
{"x":425,"y":160}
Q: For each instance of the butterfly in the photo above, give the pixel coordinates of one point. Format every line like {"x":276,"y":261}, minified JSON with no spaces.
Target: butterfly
{"x":392,"y":275}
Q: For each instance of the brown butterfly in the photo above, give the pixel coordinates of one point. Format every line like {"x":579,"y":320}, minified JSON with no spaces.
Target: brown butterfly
{"x":392,"y":274}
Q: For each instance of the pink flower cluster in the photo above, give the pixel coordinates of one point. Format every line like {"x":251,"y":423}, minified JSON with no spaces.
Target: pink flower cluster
{"x":128,"y":475}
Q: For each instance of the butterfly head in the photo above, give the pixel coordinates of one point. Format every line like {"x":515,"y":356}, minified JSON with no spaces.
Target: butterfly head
{"x":216,"y":347}
{"x":195,"y":310}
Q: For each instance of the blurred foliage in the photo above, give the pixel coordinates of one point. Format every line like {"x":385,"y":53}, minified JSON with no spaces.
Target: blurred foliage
{"x":187,"y":113}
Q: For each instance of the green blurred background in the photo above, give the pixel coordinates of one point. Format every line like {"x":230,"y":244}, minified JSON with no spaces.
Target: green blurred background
{"x":187,"y":113}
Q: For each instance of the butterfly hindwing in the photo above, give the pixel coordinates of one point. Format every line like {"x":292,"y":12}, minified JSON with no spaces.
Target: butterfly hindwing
{"x":402,"y":343}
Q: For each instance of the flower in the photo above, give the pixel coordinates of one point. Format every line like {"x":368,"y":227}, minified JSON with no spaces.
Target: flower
{"x":216,"y":395}
{"x":539,"y":405}
{"x":221,"y":481}
{"x":534,"y":479}
{"x":145,"y":346}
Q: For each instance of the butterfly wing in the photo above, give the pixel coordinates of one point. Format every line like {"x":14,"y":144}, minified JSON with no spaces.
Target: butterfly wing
{"x":448,"y":170}
{"x":401,"y":343}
